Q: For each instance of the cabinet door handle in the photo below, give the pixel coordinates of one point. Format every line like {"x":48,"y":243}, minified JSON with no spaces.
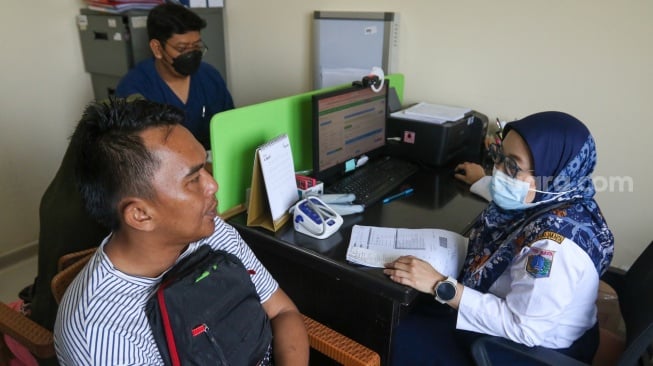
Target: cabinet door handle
{"x":101,"y":35}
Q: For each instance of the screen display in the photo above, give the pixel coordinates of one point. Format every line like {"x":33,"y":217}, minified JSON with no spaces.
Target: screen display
{"x":347,"y":123}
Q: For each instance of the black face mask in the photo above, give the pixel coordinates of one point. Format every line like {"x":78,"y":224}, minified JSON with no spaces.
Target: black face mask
{"x":187,"y":63}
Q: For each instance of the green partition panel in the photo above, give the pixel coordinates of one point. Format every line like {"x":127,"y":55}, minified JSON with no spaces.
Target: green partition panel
{"x":236,"y":134}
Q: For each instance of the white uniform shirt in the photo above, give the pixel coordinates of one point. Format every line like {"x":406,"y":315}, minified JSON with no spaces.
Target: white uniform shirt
{"x":482,"y":187}
{"x":102,"y":320}
{"x":550,"y":311}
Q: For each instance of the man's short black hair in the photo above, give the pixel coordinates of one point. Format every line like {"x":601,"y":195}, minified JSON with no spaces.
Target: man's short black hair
{"x":168,"y":19}
{"x":112,"y":161}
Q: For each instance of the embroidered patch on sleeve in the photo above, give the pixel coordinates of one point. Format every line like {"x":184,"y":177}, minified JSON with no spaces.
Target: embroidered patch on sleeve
{"x":539,"y":262}
{"x":550,"y":235}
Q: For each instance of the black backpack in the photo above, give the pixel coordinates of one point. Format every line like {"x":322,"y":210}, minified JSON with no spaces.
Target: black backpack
{"x":207,"y":312}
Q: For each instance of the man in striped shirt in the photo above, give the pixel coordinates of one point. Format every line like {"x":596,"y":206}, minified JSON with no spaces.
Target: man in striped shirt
{"x":142,"y":174}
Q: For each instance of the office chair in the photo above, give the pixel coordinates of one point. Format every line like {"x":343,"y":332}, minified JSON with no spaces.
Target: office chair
{"x":39,"y":341}
{"x":635,"y":291}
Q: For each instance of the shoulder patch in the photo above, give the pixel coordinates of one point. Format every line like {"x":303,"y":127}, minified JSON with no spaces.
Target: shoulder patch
{"x":550,"y":235}
{"x":539,"y":262}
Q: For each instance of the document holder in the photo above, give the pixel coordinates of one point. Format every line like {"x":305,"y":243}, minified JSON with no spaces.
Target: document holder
{"x":273,"y":189}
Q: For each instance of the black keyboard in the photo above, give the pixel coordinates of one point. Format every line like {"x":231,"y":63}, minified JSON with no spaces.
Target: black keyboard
{"x":375,"y":180}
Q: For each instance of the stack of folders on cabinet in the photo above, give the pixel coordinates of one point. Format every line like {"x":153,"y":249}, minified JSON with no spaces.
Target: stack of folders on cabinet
{"x":373,"y":246}
{"x":433,"y":113}
{"x":119,"y":6}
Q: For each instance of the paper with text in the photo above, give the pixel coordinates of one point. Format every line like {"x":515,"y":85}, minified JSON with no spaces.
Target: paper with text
{"x":373,"y":246}
{"x":432,"y":113}
{"x":278,"y":171}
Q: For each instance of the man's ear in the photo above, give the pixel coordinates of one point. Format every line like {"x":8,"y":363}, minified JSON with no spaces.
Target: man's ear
{"x":157,"y":48}
{"x":137,"y":213}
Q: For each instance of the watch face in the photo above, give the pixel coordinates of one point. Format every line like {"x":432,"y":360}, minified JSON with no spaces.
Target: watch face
{"x":446,"y":291}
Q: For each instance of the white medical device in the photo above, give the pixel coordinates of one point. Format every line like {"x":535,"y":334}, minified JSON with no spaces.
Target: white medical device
{"x":315,"y":218}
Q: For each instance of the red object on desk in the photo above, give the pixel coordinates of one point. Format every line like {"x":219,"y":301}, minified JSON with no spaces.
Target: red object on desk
{"x":305,"y":182}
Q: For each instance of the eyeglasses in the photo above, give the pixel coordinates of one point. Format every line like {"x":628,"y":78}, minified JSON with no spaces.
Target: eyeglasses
{"x":510,"y":165}
{"x":198,"y":46}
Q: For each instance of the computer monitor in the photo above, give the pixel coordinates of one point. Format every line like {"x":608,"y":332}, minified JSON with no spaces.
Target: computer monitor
{"x":347,"y":123}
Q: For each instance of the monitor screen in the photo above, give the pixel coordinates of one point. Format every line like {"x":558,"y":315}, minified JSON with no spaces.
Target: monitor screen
{"x":347,"y":123}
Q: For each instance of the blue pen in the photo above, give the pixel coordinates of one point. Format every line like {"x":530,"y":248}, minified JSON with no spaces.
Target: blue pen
{"x":405,"y":192}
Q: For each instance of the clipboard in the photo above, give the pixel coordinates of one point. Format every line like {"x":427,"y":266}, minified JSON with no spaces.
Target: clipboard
{"x":273,"y":189}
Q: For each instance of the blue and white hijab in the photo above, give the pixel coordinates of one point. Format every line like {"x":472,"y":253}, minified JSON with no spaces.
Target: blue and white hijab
{"x":564,"y":157}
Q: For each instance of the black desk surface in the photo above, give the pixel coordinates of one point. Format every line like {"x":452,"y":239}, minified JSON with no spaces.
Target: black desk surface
{"x":361,"y":302}
{"x":439,"y":201}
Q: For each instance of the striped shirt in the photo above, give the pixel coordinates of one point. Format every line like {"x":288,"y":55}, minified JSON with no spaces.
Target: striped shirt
{"x":102,"y":320}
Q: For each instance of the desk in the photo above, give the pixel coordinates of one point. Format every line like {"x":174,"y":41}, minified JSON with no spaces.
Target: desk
{"x":358,"y":301}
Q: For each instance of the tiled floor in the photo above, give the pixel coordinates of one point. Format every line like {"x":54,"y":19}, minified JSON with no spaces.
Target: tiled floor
{"x":16,"y":276}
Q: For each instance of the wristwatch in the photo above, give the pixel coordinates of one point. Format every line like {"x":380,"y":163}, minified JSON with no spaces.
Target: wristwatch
{"x":446,"y":290}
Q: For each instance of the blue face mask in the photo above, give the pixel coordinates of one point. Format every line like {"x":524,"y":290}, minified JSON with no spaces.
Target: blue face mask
{"x":509,"y":193}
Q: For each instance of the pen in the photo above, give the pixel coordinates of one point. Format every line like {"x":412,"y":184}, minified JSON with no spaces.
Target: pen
{"x":405,"y":192}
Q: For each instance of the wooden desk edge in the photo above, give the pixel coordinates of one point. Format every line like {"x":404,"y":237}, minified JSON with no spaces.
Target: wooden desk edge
{"x":234,"y":211}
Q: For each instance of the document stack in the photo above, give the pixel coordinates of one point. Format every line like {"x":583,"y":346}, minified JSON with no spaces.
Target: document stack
{"x":119,"y":6}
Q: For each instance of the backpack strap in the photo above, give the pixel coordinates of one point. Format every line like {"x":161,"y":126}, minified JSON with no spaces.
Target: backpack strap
{"x":167,"y":327}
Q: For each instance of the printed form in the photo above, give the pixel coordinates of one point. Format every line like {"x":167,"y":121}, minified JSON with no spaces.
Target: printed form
{"x":373,"y":246}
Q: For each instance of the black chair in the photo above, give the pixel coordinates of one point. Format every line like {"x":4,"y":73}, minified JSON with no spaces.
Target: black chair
{"x":635,"y":291}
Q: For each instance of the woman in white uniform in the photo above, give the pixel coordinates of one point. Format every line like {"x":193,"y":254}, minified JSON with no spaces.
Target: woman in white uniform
{"x":534,"y":259}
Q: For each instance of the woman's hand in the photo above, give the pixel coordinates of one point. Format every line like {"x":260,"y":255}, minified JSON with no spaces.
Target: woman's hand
{"x":414,"y":272}
{"x":469,"y":173}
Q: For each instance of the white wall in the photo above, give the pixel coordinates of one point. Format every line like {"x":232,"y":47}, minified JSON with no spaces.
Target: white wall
{"x":43,"y":88}
{"x":505,"y":58}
